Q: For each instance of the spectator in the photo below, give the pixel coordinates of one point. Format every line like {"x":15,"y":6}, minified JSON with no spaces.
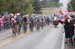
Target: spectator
{"x":69,"y":30}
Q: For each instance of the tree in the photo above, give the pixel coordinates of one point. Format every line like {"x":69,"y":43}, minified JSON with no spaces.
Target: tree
{"x":50,"y":3}
{"x":3,"y":6}
{"x":55,"y":1}
{"x":23,"y":6}
{"x":15,"y":6}
{"x":18,"y":6}
{"x":36,"y":6}
{"x":71,"y":5}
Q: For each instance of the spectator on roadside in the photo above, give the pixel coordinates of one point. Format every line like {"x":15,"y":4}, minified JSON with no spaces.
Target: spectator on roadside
{"x":69,"y":30}
{"x":2,"y":23}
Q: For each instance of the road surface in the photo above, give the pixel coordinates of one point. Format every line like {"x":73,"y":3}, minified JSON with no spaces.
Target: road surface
{"x":48,"y":38}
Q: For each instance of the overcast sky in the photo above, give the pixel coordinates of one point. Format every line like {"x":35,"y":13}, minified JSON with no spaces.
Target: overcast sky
{"x":65,"y":2}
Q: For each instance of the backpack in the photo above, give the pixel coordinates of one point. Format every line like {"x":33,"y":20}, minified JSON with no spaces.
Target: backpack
{"x":25,"y":19}
{"x":31,"y":19}
{"x":18,"y":19}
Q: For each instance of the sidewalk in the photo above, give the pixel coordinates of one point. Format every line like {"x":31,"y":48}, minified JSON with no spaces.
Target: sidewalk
{"x":48,"y":38}
{"x":69,"y":47}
